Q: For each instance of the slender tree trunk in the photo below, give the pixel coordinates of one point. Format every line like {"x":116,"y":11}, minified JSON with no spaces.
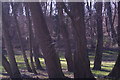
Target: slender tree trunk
{"x":37,"y":62}
{"x":34,"y":45}
{"x":21,"y":42}
{"x":30,"y":39}
{"x":31,"y":58}
{"x":99,"y":47}
{"x":51,"y":58}
{"x":6,"y":65}
{"x":108,"y":44}
{"x":36,"y":51}
{"x":90,"y":22}
{"x":115,"y":73}
{"x":65,"y":34}
{"x":11,"y":56}
{"x":109,"y":13}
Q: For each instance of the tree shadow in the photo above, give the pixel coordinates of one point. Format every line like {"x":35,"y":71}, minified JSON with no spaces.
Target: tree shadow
{"x":5,"y":74}
{"x":105,"y":70}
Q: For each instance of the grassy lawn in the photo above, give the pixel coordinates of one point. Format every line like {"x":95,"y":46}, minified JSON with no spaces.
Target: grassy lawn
{"x":107,"y":65}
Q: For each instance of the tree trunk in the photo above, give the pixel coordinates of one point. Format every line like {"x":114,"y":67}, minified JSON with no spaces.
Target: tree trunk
{"x":109,"y":13}
{"x":21,"y":42}
{"x":11,"y":56}
{"x":36,"y":51}
{"x":65,"y":34}
{"x":90,"y":25}
{"x":115,"y":73}
{"x":6,"y":65}
{"x":81,"y":47}
{"x":37,"y":62}
{"x":51,"y":58}
{"x":99,"y":47}
{"x":81,"y":60}
{"x":30,"y":39}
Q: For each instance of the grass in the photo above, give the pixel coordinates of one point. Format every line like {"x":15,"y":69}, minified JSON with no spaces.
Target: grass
{"x":106,"y":66}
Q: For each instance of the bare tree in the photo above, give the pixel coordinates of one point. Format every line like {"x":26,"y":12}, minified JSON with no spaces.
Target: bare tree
{"x":99,"y":48}
{"x":30,"y":39}
{"x":20,"y":40}
{"x":109,"y":13}
{"x":65,"y":34}
{"x":115,"y":73}
{"x":81,"y":70}
{"x":51,"y":58}
{"x":11,"y":56}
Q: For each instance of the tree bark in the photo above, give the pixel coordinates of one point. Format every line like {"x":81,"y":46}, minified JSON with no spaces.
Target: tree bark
{"x":82,"y":70}
{"x":115,"y":73}
{"x":51,"y":58}
{"x":6,"y":65}
{"x":65,"y":34}
{"x":109,"y":13}
{"x":11,"y":56}
{"x":81,"y":60}
{"x":21,"y":41}
{"x":30,"y":39}
{"x":36,"y":51}
{"x":99,"y":47}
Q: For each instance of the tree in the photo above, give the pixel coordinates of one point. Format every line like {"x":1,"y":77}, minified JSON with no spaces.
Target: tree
{"x":81,"y":70}
{"x":35,"y":46}
{"x":51,"y":58}
{"x":80,"y":55}
{"x":6,"y":65}
{"x":20,"y":40}
{"x":99,"y":48}
{"x":30,"y":39}
{"x":65,"y":34}
{"x":109,"y":13}
{"x":90,"y":25}
{"x":6,"y":36}
{"x":115,"y":73}
{"x":36,"y":51}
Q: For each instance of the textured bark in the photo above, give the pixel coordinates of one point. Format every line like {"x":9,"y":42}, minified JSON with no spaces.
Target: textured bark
{"x":51,"y":58}
{"x":21,"y":42}
{"x":99,"y":47}
{"x":65,"y":34}
{"x":115,"y":73}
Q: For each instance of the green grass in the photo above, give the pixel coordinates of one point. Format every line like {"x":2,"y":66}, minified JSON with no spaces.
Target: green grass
{"x":106,"y":65}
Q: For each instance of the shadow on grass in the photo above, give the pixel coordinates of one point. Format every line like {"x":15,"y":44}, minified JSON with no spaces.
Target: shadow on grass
{"x":106,"y":66}
{"x":5,"y":74}
{"x":105,"y":70}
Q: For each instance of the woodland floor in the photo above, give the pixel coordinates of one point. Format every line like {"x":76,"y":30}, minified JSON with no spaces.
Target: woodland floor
{"x":108,"y":61}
